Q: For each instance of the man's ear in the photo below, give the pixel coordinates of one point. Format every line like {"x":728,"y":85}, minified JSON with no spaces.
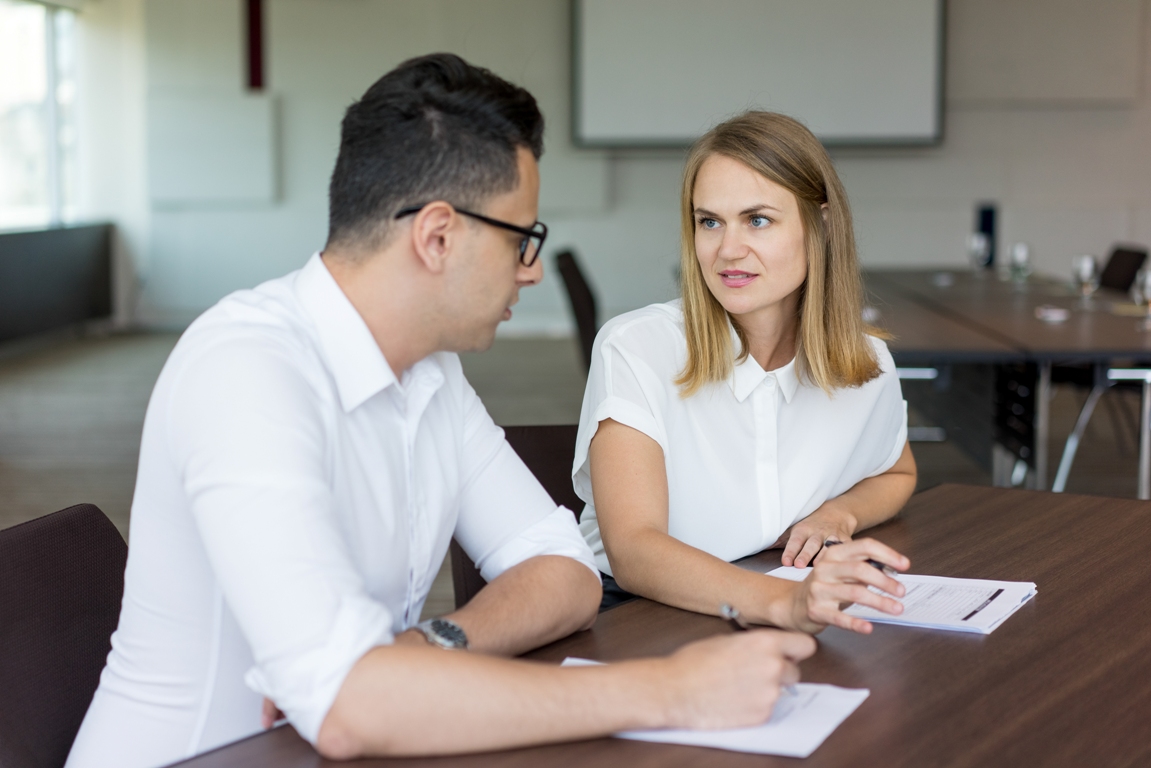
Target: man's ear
{"x":432,"y":235}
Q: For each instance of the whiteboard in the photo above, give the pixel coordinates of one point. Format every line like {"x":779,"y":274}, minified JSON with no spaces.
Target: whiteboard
{"x":661,"y":72}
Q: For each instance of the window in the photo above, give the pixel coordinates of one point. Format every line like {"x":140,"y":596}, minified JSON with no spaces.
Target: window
{"x":37,"y":115}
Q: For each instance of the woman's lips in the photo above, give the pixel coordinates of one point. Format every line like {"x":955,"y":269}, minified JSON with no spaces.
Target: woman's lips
{"x":736,"y":279}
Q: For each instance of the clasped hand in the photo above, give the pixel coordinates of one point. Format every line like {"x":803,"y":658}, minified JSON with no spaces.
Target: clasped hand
{"x":841,"y":575}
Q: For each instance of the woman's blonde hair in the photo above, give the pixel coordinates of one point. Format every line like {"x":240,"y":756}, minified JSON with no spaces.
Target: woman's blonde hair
{"x":832,"y":349}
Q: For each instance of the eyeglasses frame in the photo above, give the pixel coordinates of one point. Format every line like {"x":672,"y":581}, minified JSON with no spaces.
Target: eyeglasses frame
{"x":529,"y":234}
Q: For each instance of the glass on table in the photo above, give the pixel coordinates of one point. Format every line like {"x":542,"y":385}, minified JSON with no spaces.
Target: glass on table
{"x":1085,"y":274}
{"x":1020,"y":263}
{"x":978,"y":251}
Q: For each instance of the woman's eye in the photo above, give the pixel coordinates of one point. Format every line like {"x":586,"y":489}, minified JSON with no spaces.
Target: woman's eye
{"x":707,"y":223}
{"x":759,"y":221}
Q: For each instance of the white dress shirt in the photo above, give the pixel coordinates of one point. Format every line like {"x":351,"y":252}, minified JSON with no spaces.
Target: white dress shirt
{"x":293,"y":504}
{"x":745,"y":458}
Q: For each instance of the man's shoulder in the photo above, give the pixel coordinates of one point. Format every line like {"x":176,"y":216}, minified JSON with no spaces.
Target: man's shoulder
{"x":267,"y":321}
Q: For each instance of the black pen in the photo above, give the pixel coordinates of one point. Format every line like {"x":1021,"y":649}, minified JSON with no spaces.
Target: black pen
{"x":887,"y":569}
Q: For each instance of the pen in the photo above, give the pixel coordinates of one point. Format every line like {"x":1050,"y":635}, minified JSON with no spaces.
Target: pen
{"x":731,"y":615}
{"x":873,"y":563}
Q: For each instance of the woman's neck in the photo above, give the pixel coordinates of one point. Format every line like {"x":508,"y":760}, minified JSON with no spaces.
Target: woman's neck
{"x":771,"y":333}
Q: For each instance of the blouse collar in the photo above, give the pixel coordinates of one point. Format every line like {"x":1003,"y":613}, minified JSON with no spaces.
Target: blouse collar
{"x":748,"y":375}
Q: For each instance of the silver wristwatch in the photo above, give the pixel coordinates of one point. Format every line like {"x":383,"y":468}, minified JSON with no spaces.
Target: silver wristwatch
{"x":443,"y":633}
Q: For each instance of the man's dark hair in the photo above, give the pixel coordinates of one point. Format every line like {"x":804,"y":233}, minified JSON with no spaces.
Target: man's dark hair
{"x":434,"y":128}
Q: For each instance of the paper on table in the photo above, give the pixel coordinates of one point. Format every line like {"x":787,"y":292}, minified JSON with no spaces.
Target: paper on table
{"x":800,"y":723}
{"x":941,"y":602}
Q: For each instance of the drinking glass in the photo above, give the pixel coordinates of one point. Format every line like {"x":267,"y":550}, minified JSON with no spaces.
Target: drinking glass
{"x":1020,"y":262}
{"x":1085,"y":274}
{"x":978,"y":250}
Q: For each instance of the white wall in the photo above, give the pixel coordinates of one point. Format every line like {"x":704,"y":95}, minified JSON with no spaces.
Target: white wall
{"x":1047,"y":114}
{"x":110,"y":123}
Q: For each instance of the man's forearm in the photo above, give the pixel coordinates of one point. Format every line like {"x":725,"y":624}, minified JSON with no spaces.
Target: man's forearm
{"x":416,"y":700}
{"x":538,"y":601}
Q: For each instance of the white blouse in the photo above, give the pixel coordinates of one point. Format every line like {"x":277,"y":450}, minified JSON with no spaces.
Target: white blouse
{"x":745,"y":458}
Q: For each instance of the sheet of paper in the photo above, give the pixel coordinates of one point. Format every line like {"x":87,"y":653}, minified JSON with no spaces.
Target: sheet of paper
{"x":941,"y":602}
{"x":801,"y":721}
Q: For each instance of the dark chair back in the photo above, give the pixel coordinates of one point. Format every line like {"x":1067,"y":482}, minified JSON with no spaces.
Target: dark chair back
{"x":549,"y":452}
{"x":1122,"y":266}
{"x":582,"y":301}
{"x":61,"y":581}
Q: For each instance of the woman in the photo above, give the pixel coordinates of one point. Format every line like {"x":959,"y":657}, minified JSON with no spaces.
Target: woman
{"x":757,"y":411}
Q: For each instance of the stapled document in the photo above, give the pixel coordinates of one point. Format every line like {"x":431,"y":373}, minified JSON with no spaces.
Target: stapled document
{"x":941,"y":602}
{"x":802,"y":720}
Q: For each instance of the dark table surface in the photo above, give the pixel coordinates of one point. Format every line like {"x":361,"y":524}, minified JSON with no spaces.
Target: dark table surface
{"x":1065,"y":681}
{"x":1004,"y":312}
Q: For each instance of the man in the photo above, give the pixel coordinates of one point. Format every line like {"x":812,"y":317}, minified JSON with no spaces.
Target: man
{"x":312,"y":446}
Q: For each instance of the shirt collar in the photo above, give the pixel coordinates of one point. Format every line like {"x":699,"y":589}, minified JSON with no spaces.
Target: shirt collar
{"x":351,"y":353}
{"x":747,"y":375}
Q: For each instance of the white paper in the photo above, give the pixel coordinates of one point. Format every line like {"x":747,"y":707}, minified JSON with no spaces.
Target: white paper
{"x":801,"y":721}
{"x":941,"y":602}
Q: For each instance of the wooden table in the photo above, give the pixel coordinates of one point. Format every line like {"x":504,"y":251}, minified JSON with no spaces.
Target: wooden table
{"x":999,"y":326}
{"x":1065,"y":681}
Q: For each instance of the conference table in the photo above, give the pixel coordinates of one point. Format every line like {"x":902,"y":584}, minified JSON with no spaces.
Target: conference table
{"x":958,"y":316}
{"x":1064,"y":681}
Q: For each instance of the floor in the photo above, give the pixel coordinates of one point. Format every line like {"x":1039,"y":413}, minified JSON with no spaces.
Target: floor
{"x":71,"y":414}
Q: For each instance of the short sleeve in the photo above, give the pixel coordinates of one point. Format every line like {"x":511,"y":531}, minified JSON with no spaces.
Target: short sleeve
{"x":623,"y":385}
{"x":247,"y":434}
{"x":505,"y":516}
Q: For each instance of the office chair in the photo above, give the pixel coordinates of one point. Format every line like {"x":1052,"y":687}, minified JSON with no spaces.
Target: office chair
{"x":582,"y":301}
{"x":1122,"y":266}
{"x":549,"y":452}
{"x":61,"y":581}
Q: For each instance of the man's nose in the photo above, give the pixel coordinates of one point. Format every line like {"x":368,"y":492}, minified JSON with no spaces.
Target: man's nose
{"x":531,"y":275}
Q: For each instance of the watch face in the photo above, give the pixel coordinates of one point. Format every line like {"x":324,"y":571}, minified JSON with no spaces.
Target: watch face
{"x":450,"y":632}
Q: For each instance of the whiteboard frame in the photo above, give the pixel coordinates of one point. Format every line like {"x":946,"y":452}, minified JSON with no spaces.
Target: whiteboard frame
{"x":889,"y":142}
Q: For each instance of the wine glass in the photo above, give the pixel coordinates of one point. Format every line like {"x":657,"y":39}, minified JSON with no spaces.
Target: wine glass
{"x":1020,"y":262}
{"x":1085,"y":274}
{"x":978,"y":251}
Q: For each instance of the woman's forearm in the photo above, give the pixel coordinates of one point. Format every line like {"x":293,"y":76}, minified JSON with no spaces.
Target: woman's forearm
{"x":875,"y":499}
{"x":655,"y":565}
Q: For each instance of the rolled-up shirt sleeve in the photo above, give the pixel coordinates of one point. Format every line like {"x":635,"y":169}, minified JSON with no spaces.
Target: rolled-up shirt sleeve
{"x":506,"y":516}
{"x":246,"y":427}
{"x":621,"y":386}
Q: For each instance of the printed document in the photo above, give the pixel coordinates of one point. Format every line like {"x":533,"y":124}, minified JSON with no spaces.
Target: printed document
{"x":803,"y":718}
{"x":940,"y":602}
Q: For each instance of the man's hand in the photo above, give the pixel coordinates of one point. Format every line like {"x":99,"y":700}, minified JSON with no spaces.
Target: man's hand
{"x":805,"y":538}
{"x":841,"y":577}
{"x":734,"y":681}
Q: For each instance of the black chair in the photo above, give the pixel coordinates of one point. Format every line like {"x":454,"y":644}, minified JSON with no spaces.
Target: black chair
{"x":1122,"y":266}
{"x":549,"y":452}
{"x":582,"y":301}
{"x":61,"y":582}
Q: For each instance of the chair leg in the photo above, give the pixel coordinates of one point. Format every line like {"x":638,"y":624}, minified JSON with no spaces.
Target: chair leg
{"x":1072,"y":444}
{"x":1120,"y":426}
{"x":1145,"y":443}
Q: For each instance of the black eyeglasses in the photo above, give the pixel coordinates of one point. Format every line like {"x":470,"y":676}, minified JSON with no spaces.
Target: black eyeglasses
{"x":530,"y":246}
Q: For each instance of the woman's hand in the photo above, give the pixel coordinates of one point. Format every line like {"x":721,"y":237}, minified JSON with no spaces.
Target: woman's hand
{"x":841,"y":577}
{"x":805,"y":538}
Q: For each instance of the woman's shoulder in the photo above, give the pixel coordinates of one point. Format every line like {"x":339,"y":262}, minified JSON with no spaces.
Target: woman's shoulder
{"x":652,"y":335}
{"x":641,"y":327}
{"x":882,"y":356}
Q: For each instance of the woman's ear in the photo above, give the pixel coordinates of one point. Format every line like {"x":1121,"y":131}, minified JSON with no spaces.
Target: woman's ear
{"x":823,"y":210}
